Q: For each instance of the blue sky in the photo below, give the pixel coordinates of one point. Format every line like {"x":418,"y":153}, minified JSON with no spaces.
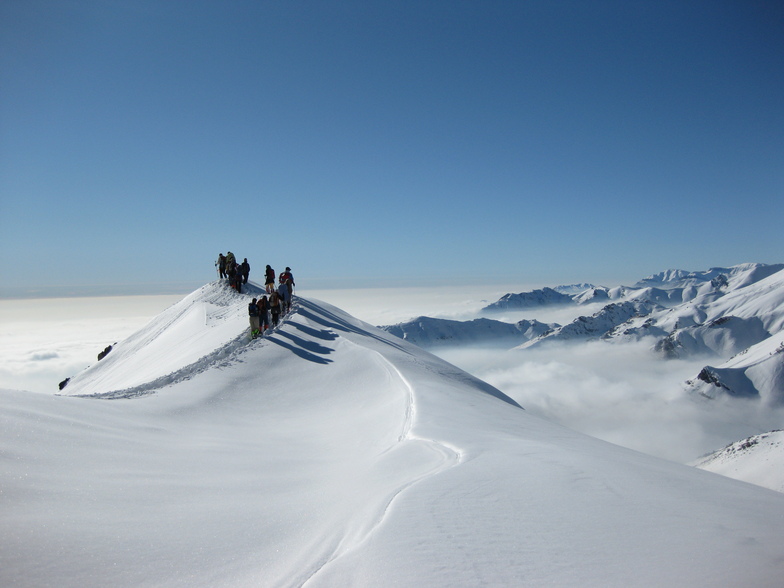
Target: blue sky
{"x":366,"y":142}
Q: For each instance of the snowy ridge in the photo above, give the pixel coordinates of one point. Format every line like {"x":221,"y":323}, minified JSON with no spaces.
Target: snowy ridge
{"x":749,"y":272}
{"x":679,"y":308}
{"x":430,"y":332}
{"x":200,"y":330}
{"x":756,"y":372}
{"x":759,"y":459}
{"x":748,"y":311}
{"x":668,"y":288}
{"x":573,"y":288}
{"x":332,"y":453}
{"x":543,"y":297}
{"x":594,"y":326}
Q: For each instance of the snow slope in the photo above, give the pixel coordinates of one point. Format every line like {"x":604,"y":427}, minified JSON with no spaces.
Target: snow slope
{"x":332,"y":453}
{"x":757,"y":372}
{"x":758,"y":459}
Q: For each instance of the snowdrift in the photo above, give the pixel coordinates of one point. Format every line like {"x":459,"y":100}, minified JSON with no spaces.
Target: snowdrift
{"x":332,"y":453}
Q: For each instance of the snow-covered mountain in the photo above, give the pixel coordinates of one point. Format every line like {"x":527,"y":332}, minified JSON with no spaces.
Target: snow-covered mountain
{"x":543,"y":297}
{"x":430,"y":332}
{"x":758,"y":459}
{"x":332,"y":453}
{"x":743,"y":275}
{"x":756,"y":372}
{"x":722,"y":312}
{"x":595,"y":326}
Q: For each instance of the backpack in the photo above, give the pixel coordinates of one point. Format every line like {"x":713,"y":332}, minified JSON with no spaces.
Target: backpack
{"x":253,"y":310}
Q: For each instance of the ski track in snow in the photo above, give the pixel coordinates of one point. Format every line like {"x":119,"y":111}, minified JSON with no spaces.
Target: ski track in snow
{"x":450,"y":457}
{"x":230,"y":353}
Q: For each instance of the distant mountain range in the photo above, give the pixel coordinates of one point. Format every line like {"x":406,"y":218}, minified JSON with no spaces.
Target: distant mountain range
{"x":734,"y":315}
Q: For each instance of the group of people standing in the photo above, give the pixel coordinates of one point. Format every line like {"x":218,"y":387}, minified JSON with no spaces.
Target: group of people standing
{"x":237,"y":273}
{"x":266,"y":310}
{"x":273,"y":306}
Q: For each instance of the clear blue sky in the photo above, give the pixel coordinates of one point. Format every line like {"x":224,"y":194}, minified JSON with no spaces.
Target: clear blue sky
{"x":405,"y":142}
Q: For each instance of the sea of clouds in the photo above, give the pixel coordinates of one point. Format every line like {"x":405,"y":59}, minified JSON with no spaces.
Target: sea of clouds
{"x":45,"y":340}
{"x":622,"y":393}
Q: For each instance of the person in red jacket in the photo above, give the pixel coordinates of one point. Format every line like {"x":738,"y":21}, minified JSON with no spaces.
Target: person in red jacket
{"x":286,"y":276}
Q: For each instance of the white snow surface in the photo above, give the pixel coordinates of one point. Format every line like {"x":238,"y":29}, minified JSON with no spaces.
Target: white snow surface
{"x":757,"y":372}
{"x":758,"y":459}
{"x":331,"y":453}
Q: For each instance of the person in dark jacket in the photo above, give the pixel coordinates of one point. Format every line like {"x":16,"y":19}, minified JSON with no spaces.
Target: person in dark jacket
{"x":221,"y":263}
{"x":235,"y":278}
{"x":263,"y":307}
{"x":285,"y":297}
{"x":245,"y":271}
{"x":275,"y":305}
{"x":269,"y":282}
{"x":253,"y":314}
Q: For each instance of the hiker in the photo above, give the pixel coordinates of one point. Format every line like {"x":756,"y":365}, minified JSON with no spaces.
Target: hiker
{"x":274,"y":306}
{"x":253,"y":313}
{"x":285,"y":297}
{"x":221,"y":263}
{"x":231,"y":273}
{"x":235,"y":279}
{"x":269,"y":275}
{"x":287,"y":279}
{"x":231,"y":263}
{"x":245,"y":271}
{"x":263,"y":306}
{"x":286,"y":275}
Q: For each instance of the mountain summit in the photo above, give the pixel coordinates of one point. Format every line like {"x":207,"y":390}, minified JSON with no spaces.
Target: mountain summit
{"x":332,"y":453}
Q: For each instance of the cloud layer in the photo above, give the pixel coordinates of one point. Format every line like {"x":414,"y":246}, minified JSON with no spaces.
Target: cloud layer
{"x":44,"y":341}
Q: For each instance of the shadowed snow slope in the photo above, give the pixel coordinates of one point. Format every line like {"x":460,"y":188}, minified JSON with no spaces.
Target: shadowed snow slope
{"x":331,"y":453}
